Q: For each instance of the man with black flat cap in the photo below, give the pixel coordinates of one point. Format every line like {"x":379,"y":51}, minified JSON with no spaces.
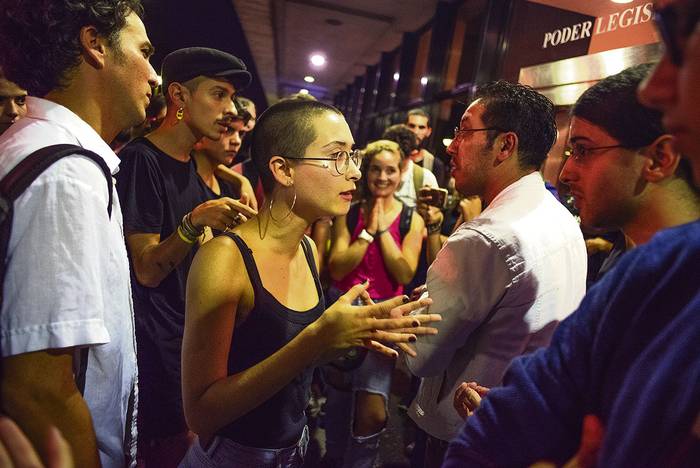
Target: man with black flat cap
{"x":167,"y":208}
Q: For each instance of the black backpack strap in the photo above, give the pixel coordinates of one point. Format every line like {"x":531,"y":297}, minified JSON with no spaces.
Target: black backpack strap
{"x":26,"y":172}
{"x":80,"y":364}
{"x":352,"y":217}
{"x":15,"y":183}
{"x":405,"y":220}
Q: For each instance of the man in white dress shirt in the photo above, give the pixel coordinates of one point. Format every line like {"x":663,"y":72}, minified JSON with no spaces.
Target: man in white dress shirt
{"x":503,"y":281}
{"x":66,"y":286}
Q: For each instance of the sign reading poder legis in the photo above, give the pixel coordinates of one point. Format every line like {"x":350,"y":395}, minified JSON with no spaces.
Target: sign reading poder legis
{"x":601,"y":25}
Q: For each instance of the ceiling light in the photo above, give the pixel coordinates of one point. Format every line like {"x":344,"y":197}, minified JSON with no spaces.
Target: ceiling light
{"x":317,"y":60}
{"x":303,"y":91}
{"x":396,"y":76}
{"x":622,"y":1}
{"x":309,"y":79}
{"x":424,"y":80}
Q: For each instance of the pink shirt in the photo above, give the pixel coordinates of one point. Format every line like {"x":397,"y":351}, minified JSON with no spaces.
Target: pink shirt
{"x":381,"y":284}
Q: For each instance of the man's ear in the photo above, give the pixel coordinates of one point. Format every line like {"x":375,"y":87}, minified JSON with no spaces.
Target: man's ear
{"x":506,"y":144}
{"x":281,"y":170}
{"x":663,"y":159}
{"x":179,"y":94}
{"x":93,"y":46}
{"x":428,"y":133}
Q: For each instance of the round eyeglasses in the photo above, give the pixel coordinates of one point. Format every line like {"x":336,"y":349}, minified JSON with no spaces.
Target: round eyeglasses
{"x":341,"y":158}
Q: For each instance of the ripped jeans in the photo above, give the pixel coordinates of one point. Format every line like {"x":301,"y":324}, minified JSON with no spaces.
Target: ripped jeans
{"x":373,"y":376}
{"x":223,"y":452}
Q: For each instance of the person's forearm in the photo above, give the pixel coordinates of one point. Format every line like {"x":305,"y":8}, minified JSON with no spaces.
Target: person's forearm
{"x":231,"y":176}
{"x":433,"y":246}
{"x":231,"y":397}
{"x":394,"y":260}
{"x":159,"y":260}
{"x":36,"y":413}
{"x":342,"y":263}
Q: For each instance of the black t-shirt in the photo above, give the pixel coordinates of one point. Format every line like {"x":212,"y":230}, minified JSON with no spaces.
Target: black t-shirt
{"x":156,"y":191}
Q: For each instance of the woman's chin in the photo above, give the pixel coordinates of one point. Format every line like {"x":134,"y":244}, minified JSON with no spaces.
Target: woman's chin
{"x":382,"y":193}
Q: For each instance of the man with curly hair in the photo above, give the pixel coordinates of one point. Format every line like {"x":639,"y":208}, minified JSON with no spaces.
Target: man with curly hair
{"x":66,"y":287}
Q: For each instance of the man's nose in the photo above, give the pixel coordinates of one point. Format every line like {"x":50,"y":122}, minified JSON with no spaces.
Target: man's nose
{"x":568,"y":171}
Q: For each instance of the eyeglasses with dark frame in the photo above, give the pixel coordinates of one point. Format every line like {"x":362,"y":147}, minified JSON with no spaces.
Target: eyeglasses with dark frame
{"x":459,"y":132}
{"x":342,"y":160}
{"x":674,"y":27}
{"x":577,"y":152}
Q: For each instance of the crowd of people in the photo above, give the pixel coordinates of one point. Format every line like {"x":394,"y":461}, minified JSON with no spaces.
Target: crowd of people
{"x":179,"y":302}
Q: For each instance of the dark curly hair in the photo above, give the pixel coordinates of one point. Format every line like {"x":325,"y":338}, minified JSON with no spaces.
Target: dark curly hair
{"x":401,"y":134}
{"x":520,"y":109}
{"x":44,"y":37}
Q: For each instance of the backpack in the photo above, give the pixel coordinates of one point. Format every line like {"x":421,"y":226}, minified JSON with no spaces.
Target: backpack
{"x":404,"y":221}
{"x":418,"y":176}
{"x":428,"y":161}
{"x":14,"y":184}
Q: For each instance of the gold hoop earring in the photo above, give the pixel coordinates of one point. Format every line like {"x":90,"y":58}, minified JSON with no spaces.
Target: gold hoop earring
{"x":294,"y":201}
{"x":180,"y":113}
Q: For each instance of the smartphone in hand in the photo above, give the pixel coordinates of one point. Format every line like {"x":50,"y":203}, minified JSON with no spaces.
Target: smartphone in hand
{"x":433,"y":196}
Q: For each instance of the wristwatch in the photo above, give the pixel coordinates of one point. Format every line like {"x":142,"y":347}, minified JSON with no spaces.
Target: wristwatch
{"x":434,"y":228}
{"x":364,"y":235}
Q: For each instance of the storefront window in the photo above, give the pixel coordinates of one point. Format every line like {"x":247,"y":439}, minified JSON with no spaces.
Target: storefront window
{"x":419,"y":78}
{"x":466,"y":40}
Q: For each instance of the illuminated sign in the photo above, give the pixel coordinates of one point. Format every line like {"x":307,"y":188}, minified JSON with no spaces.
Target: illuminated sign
{"x":603,"y":24}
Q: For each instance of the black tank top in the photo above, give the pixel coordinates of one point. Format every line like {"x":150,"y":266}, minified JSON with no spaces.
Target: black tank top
{"x":279,"y":421}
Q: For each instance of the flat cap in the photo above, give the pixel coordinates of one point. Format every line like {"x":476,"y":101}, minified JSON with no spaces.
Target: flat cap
{"x":184,"y":64}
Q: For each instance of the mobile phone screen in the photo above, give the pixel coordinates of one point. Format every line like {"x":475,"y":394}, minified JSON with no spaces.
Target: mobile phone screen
{"x":434,"y":196}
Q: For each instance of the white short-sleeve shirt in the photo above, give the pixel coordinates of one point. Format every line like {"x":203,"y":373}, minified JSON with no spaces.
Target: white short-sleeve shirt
{"x":67,"y":278}
{"x":407,"y":191}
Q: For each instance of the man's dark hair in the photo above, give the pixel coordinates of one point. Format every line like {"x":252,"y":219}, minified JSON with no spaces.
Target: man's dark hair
{"x":245,"y":102}
{"x":401,"y":134}
{"x":41,"y":42}
{"x":612,"y":105}
{"x":512,"y":107}
{"x":284,"y":129}
{"x":420,"y":112}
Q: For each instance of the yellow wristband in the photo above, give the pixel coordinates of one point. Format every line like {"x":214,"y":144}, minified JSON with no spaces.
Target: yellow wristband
{"x":184,"y":237}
